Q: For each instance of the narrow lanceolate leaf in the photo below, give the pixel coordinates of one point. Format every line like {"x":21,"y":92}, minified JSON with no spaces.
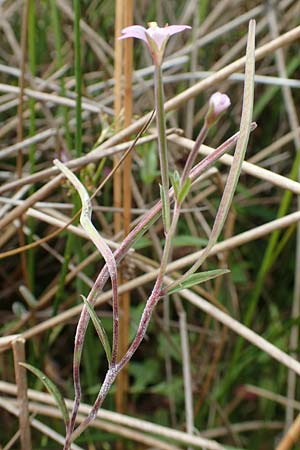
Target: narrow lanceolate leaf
{"x":239,"y":154}
{"x":51,"y":388}
{"x":164,"y":208}
{"x":99,"y":328}
{"x":197,"y":278}
{"x":97,"y":239}
{"x":184,"y":190}
{"x":175,"y":180}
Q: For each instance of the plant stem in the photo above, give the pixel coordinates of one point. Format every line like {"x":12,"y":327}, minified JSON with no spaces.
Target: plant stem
{"x":193,"y":154}
{"x":153,"y":215}
{"x":156,"y":294}
{"x":105,"y":251}
{"x":102,"y":278}
{"x":162,"y":141}
{"x":114,"y":369}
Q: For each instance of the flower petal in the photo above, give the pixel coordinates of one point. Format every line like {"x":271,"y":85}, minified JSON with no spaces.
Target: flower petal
{"x":173,"y":29}
{"x":134,"y":31}
{"x":155,"y":37}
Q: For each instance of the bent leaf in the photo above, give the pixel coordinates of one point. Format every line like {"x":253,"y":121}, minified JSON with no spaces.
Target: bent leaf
{"x":175,"y":180}
{"x":184,"y":190}
{"x":99,"y":329}
{"x":164,"y":209}
{"x":197,"y":278}
{"x":239,"y":154}
{"x":52,"y":389}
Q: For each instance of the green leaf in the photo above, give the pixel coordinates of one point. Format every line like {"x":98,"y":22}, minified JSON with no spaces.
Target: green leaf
{"x":144,"y":229}
{"x":164,"y":212}
{"x":185,"y":240}
{"x":52,"y":389}
{"x":149,"y":166}
{"x":143,"y":242}
{"x":197,"y":278}
{"x":184,"y":190}
{"x":144,"y":374}
{"x":239,"y":153}
{"x":99,"y":329}
{"x":175,"y":180}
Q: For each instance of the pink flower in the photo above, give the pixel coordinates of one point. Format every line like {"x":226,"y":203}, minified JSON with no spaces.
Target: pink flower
{"x":218,"y":103}
{"x":155,"y":37}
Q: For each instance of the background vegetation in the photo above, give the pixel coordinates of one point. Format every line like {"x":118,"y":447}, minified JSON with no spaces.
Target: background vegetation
{"x":58,"y":99}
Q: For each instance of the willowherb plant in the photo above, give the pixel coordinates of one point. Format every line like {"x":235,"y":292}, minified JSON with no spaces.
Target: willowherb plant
{"x":156,"y":39}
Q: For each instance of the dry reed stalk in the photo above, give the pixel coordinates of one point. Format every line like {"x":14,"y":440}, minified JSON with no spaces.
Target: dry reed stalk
{"x":118,"y":70}
{"x":38,"y":195}
{"x":116,"y":418}
{"x":122,"y":382}
{"x":176,"y":102}
{"x":8,"y":152}
{"x":117,"y":179}
{"x":103,"y":425}
{"x":77,"y":163}
{"x":291,"y":436}
{"x":243,"y":331}
{"x":212,"y":80}
{"x":12,"y":441}
{"x":186,"y":364}
{"x":87,"y":105}
{"x":18,"y":346}
{"x":103,"y":49}
{"x":11,"y":407}
{"x":273,"y":147}
{"x":50,"y":185}
{"x":247,"y":167}
{"x":212,"y":371}
{"x":229,"y":244}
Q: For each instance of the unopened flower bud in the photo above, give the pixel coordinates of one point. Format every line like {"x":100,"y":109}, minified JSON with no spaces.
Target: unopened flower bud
{"x":218,"y":103}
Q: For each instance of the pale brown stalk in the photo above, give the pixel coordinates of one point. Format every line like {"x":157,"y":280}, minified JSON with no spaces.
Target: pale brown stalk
{"x":122,"y":382}
{"x":18,"y":346}
{"x":111,"y":417}
{"x":291,"y":436}
{"x":10,"y":406}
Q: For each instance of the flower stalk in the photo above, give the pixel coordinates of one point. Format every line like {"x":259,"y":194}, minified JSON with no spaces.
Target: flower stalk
{"x":162,"y":144}
{"x":156,"y":39}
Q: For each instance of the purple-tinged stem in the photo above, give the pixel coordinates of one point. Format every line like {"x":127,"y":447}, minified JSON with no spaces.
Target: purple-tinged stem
{"x":119,"y":254}
{"x":142,"y":328}
{"x":194,"y":152}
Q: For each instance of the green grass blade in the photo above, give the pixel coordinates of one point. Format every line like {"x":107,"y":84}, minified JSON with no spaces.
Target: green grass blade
{"x":52,"y":389}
